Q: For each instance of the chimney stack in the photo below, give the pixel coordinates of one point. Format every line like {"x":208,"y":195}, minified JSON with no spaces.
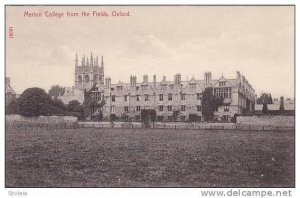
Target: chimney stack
{"x":76,"y":60}
{"x":177,"y":79}
{"x":145,"y":79}
{"x":207,"y":78}
{"x":132,"y":80}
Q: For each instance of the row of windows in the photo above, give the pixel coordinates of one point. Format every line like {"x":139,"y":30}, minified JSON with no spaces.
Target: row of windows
{"x":171,"y":118}
{"x":87,"y":79}
{"x":96,"y":96}
{"x":222,"y":92}
{"x":161,"y":108}
{"x":161,"y":97}
{"x":162,"y":87}
{"x":169,"y":108}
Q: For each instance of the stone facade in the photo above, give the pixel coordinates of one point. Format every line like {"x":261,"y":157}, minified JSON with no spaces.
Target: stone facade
{"x":126,"y":100}
{"x":89,"y":72}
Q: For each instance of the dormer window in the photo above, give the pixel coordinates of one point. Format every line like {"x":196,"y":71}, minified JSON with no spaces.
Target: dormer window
{"x":119,"y":88}
{"x":144,"y":87}
{"x":163,"y":87}
{"x":193,"y":86}
{"x":222,"y":83}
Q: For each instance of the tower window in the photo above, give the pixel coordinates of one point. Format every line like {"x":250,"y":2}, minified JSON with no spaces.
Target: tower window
{"x":146,"y":97}
{"x":226,"y":108}
{"x":113,"y":98}
{"x":79,"y":79}
{"x":87,"y":79}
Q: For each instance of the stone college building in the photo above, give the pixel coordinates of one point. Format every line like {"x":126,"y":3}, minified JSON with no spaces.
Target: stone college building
{"x":126,"y":100}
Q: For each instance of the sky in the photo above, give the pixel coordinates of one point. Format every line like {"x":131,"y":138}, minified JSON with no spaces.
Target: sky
{"x":258,"y":41}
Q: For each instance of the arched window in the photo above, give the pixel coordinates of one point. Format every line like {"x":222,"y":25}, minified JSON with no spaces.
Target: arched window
{"x":79,"y":79}
{"x":87,"y":78}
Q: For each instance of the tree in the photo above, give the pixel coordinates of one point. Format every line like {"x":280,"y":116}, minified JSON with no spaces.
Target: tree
{"x":148,"y":115}
{"x":208,"y":104}
{"x":13,"y":107}
{"x":56,"y":91}
{"x":35,"y":102}
{"x":92,"y":107}
{"x":152,"y":116}
{"x":74,"y":108}
{"x":265,"y":108}
{"x":74,"y":105}
{"x":281,"y":108}
{"x":175,"y":115}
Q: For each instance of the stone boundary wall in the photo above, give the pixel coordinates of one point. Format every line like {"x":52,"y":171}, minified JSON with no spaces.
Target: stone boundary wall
{"x":266,"y":120}
{"x":41,"y":119}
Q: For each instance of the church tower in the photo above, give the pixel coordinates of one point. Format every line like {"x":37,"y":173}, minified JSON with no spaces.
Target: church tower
{"x":88,"y":73}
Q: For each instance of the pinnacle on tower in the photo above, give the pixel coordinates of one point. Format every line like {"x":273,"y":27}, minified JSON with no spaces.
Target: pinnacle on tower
{"x":91,"y":59}
{"x":97,"y":61}
{"x":87,"y":61}
{"x":83,"y":61}
{"x":76,"y":61}
{"x":102,"y":63}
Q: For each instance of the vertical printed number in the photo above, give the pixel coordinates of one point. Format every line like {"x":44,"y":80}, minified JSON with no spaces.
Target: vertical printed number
{"x":10,"y":32}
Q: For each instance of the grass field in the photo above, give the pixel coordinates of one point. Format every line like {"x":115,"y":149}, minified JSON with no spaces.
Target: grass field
{"x":149,"y":158}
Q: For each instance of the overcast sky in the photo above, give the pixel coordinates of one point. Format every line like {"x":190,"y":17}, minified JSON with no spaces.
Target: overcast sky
{"x":258,"y":41}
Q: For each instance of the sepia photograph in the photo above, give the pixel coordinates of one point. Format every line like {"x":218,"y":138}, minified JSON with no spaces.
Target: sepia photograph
{"x":151,"y":96}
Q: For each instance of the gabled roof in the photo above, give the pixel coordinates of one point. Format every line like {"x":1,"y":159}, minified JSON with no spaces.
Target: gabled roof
{"x":8,"y":89}
{"x":193,"y":81}
{"x":120,"y":84}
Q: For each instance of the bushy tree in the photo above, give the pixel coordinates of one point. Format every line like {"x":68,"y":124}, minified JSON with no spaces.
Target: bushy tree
{"x":148,"y":115}
{"x":74,"y":105}
{"x":13,"y":107}
{"x":281,"y":107}
{"x":56,"y":91}
{"x":265,"y":108}
{"x":35,"y":102}
{"x":208,"y":104}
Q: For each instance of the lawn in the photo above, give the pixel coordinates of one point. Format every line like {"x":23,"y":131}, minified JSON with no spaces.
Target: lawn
{"x":149,"y":158}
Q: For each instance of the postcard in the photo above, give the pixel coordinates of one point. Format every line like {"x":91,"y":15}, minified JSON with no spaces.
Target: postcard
{"x":150,"y":96}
